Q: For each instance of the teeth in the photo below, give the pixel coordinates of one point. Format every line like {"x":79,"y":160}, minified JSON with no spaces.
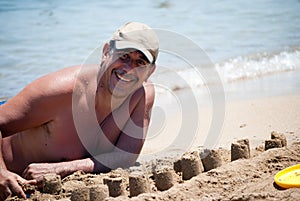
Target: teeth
{"x":122,"y":78}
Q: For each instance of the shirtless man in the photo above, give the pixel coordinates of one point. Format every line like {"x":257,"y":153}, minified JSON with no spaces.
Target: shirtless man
{"x":39,"y":132}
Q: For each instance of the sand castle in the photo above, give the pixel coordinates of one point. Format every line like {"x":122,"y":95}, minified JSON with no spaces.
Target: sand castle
{"x":140,"y":180}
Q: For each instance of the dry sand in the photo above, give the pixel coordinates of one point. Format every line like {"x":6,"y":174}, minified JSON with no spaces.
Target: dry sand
{"x":256,"y":119}
{"x":243,"y":179}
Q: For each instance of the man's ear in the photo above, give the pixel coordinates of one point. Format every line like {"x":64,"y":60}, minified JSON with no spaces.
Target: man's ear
{"x":105,"y":51}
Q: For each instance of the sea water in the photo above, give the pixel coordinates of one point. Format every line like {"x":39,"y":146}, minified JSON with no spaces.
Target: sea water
{"x":242,"y":39}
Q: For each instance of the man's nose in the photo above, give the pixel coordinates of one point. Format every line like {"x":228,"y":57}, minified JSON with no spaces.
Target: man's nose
{"x":127,"y":66}
{"x":130,"y":63}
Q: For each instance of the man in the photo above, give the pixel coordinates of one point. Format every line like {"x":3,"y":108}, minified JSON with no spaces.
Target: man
{"x":49,"y":127}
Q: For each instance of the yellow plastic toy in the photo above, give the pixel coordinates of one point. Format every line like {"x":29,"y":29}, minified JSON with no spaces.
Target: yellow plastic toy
{"x":288,"y":177}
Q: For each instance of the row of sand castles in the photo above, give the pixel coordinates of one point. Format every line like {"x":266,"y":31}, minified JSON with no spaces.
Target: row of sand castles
{"x":189,"y":165}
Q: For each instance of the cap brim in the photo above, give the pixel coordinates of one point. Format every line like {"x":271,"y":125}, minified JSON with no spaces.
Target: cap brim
{"x":127,"y":44}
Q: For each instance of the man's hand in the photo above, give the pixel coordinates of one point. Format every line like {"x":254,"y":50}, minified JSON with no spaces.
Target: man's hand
{"x":9,"y":184}
{"x":37,"y":170}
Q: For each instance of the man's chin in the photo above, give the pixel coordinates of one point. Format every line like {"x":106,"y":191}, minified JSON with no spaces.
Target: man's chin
{"x":123,"y":91}
{"x":120,"y":93}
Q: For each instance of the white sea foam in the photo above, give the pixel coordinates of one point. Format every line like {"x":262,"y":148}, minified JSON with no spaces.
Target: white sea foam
{"x":231,"y":70}
{"x":258,"y":65}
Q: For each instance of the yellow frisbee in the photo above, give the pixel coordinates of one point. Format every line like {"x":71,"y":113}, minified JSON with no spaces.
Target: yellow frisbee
{"x":288,"y":177}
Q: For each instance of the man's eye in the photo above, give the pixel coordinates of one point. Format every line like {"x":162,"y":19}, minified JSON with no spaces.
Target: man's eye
{"x":124,"y":56}
{"x":141,"y":62}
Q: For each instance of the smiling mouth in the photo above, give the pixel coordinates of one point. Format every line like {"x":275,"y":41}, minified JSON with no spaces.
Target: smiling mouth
{"x":124,"y":77}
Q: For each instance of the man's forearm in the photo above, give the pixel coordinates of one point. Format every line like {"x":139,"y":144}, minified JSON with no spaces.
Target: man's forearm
{"x":100,"y":163}
{"x":69,"y":167}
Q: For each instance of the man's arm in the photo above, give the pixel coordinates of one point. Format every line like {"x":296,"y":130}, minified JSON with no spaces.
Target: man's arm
{"x":9,"y":180}
{"x":13,"y":118}
{"x":133,"y":134}
{"x":20,"y":113}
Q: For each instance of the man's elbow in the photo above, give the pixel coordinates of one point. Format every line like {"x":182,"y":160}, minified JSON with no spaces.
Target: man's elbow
{"x":128,"y":161}
{"x":116,"y":161}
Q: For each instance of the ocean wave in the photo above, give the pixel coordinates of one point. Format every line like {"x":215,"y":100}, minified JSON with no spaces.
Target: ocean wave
{"x":260,"y":64}
{"x":234,"y":69}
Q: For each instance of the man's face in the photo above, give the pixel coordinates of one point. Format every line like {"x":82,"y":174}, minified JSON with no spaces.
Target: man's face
{"x":126,"y":70}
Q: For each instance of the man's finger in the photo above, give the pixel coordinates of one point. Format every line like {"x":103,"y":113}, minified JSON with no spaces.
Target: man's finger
{"x":22,"y":180}
{"x":17,"y":189}
{"x":31,"y":182}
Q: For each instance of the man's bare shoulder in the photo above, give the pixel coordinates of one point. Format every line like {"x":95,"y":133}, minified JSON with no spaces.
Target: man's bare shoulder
{"x":58,"y":82}
{"x":48,"y":88}
{"x":23,"y":111}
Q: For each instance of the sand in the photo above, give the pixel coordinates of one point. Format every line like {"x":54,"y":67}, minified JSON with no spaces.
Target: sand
{"x":241,"y":179}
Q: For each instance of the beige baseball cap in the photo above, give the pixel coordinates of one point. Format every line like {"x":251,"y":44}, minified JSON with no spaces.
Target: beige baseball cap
{"x":137,"y":36}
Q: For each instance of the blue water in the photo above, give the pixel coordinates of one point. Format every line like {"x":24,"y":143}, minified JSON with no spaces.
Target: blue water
{"x":244,"y":38}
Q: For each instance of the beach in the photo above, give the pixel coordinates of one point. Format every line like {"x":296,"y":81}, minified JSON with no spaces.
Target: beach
{"x":244,"y":179}
{"x":252,"y":51}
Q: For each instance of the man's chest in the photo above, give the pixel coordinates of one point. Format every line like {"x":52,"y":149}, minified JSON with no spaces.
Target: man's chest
{"x":73,"y":139}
